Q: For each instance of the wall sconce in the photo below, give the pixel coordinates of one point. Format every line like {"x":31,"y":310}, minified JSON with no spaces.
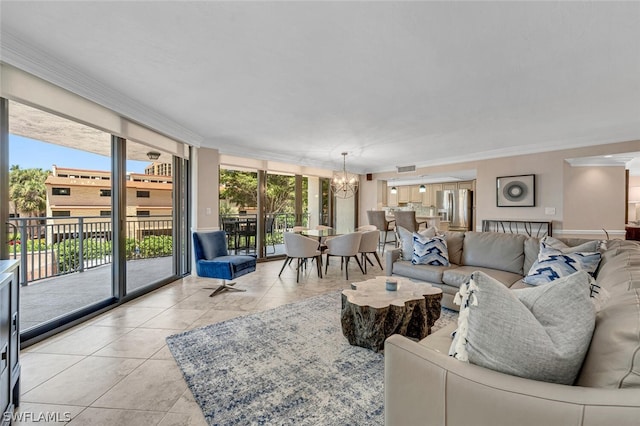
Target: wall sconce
{"x":153,"y":155}
{"x":423,"y":188}
{"x":394,"y":190}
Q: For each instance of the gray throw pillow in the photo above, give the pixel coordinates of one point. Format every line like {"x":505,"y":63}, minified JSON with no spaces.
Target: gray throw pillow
{"x":406,"y":240}
{"x":541,"y":333}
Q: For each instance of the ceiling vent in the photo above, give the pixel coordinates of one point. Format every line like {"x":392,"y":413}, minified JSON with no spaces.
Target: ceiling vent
{"x":406,"y":169}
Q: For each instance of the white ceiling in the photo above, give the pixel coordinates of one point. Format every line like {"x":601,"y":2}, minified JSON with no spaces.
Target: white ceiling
{"x":391,"y":83}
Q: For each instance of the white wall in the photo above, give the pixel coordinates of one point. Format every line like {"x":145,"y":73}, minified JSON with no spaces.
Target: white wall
{"x":206,"y":188}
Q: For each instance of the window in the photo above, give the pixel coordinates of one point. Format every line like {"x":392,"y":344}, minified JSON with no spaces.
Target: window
{"x":142,"y":213}
{"x":105,"y":193}
{"x":59,"y":213}
{"x":105,"y":212}
{"x":61,"y":191}
{"x":142,"y":194}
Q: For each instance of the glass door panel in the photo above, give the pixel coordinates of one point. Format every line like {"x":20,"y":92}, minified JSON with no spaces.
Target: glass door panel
{"x":60,"y":197}
{"x":149,"y":216}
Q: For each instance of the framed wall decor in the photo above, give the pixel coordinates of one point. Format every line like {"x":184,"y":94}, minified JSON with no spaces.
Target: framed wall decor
{"x":516,"y":191}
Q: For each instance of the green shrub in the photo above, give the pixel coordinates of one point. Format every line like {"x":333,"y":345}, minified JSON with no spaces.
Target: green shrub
{"x":68,"y":252}
{"x":156,"y":246}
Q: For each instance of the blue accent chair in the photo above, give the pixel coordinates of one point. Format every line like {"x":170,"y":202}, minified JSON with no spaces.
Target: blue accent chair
{"x":213,"y":260}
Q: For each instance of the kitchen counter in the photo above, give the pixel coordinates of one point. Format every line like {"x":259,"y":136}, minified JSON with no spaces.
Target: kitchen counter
{"x":430,"y":220}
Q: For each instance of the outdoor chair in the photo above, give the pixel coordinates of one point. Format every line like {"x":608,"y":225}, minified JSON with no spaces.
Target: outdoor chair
{"x":213,"y":260}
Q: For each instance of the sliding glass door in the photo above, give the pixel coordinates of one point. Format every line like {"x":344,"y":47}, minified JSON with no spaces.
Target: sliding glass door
{"x":69,"y":184}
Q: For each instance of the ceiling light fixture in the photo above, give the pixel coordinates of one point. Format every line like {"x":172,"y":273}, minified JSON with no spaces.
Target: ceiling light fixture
{"x":423,"y":188}
{"x":344,"y":184}
{"x":394,"y":190}
{"x":153,"y":155}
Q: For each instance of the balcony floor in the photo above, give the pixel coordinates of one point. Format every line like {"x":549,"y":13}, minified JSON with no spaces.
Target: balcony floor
{"x":46,"y":299}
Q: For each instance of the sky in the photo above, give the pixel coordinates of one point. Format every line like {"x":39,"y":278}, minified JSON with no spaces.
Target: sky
{"x":29,"y":153}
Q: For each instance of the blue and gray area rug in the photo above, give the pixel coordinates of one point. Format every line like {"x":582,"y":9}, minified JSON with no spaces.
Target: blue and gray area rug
{"x":286,"y":366}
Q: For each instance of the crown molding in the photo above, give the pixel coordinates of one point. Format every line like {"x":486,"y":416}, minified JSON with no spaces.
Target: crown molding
{"x":29,"y":58}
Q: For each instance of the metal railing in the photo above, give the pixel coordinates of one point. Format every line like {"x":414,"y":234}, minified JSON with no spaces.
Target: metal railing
{"x":53,"y":246}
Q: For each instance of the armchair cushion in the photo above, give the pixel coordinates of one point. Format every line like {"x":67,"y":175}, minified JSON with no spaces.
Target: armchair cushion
{"x":213,"y":244}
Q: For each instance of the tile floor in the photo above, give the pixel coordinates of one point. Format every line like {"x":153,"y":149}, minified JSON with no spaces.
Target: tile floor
{"x":116,"y":369}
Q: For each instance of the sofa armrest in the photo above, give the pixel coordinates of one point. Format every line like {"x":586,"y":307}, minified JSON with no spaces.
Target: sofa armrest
{"x":423,"y":386}
{"x":390,"y":256}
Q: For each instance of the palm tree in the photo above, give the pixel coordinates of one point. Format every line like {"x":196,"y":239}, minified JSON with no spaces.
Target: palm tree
{"x":28,"y":193}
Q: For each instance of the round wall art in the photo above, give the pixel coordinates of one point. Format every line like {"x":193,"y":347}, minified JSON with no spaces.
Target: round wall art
{"x":516,"y":191}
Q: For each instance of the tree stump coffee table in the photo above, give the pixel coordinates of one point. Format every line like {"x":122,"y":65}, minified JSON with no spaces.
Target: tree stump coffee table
{"x":370,"y":313}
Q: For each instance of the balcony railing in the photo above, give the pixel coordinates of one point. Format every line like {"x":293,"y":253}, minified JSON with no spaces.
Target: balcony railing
{"x":53,"y":246}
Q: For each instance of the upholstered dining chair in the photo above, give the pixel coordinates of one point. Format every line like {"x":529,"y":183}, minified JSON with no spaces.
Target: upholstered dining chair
{"x":364,"y":228}
{"x":213,"y":260}
{"x":346,"y":246}
{"x":407,"y":219}
{"x":378,"y":218}
{"x":301,"y":248}
{"x":369,"y":245}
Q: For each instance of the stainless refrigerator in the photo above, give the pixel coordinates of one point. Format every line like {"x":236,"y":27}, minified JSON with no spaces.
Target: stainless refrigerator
{"x":456,"y":207}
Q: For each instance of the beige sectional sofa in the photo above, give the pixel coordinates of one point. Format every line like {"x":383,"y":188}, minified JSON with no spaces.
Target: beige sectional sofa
{"x":426,"y":386}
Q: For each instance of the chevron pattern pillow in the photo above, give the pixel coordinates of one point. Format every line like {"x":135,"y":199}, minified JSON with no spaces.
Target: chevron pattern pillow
{"x":430,"y":251}
{"x":553,"y":264}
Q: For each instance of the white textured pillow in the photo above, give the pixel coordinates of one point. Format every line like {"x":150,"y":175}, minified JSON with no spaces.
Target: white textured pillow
{"x":541,"y":333}
{"x":406,"y":240}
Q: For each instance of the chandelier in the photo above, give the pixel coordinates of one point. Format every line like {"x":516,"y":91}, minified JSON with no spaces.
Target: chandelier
{"x":344,"y":184}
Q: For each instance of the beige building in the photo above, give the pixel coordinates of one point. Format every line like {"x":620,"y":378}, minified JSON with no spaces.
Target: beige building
{"x":74,"y":194}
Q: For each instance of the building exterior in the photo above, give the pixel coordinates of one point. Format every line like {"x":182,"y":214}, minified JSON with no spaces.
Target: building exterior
{"x":79,"y":194}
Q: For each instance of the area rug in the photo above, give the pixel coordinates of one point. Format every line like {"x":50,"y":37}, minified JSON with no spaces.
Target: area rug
{"x":286,"y":366}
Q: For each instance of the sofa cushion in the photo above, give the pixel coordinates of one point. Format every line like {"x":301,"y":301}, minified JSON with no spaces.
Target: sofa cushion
{"x":554,"y":263}
{"x":494,"y":250}
{"x":405,"y":238}
{"x":541,"y":333}
{"x":455,"y":240}
{"x":458,"y":276}
{"x":572,"y":245}
{"x":430,"y":251}
{"x":613,"y":359}
{"x":428,"y":273}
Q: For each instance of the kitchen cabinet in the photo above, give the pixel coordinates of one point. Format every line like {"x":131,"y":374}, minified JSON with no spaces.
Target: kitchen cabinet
{"x":392,"y":199}
{"x":428,"y":198}
{"x":9,"y":339}
{"x":415,"y":196}
{"x":403,"y":194}
{"x":468,"y":184}
{"x":450,"y":185}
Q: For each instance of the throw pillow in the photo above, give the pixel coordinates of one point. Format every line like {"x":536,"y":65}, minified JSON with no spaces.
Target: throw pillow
{"x":541,"y":333}
{"x":589,"y":246}
{"x":405,"y":237}
{"x":553,"y":264}
{"x":430,"y":251}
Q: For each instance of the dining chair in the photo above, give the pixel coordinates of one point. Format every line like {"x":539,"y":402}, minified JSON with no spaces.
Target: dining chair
{"x":301,"y":248}
{"x":378,"y":218}
{"x":407,"y":219}
{"x":369,"y":245}
{"x":213,"y":260}
{"x":346,"y":246}
{"x":364,"y":228}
